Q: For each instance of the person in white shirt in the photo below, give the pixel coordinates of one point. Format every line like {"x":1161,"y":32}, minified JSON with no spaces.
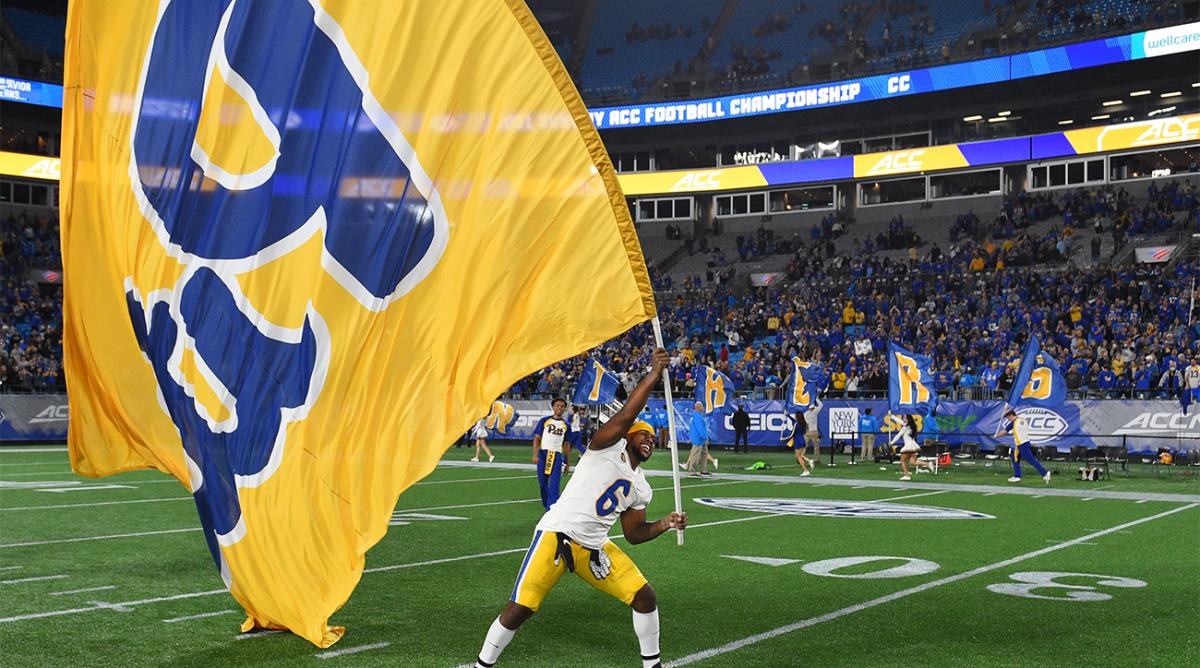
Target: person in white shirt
{"x":573,"y":534}
{"x":480,"y":433}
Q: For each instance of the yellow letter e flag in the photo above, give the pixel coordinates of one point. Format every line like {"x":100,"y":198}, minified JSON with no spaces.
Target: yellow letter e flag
{"x":306,"y":244}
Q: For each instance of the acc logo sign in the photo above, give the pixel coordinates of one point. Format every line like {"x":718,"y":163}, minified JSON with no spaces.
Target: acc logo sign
{"x":47,"y":168}
{"x":1044,"y":424}
{"x":898,"y":162}
{"x":698,"y":181}
{"x":1170,"y":130}
{"x":856,"y":509}
{"x":899,"y":84}
{"x":58,"y":413}
{"x":1149,"y":133}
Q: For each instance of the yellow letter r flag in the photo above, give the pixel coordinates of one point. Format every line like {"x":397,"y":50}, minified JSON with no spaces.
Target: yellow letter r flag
{"x":306,"y":244}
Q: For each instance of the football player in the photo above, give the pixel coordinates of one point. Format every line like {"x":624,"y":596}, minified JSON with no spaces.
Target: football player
{"x":573,"y":534}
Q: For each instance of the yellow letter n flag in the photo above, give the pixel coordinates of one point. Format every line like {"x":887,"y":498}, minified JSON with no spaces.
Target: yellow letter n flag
{"x":306,"y":244}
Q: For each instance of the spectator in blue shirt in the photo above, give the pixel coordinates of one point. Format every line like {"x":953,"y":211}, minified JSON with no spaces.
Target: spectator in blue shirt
{"x":1106,"y":381}
{"x":868,"y":428}
{"x":697,"y":461}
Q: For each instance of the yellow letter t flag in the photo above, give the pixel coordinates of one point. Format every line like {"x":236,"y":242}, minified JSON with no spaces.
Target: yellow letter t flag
{"x":306,"y":244}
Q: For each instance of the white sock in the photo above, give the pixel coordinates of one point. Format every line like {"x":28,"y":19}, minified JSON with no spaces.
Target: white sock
{"x":497,"y":639}
{"x":645,"y":625}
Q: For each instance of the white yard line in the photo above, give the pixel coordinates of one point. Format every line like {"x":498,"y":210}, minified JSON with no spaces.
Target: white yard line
{"x":332,"y":654}
{"x":18,"y":450}
{"x":432,"y":562}
{"x":258,"y":634}
{"x":11,"y":568}
{"x":38,"y":578}
{"x":203,"y":615}
{"x":57,"y":463}
{"x":812,"y":621}
{"x":97,"y":503}
{"x":516,"y":501}
{"x":451,"y":482}
{"x":985,"y":490}
{"x":81,"y":591}
{"x":88,"y":538}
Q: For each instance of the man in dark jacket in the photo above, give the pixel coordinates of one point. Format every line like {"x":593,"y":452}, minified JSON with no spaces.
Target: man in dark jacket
{"x":741,"y":427}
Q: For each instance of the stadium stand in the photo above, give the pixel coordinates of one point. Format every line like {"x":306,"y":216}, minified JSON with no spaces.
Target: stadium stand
{"x":629,"y":50}
{"x":965,"y":292}
{"x":30,"y":314}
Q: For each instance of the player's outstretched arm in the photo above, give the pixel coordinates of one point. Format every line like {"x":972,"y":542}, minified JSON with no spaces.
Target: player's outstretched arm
{"x":638,"y":530}
{"x":618,"y":425}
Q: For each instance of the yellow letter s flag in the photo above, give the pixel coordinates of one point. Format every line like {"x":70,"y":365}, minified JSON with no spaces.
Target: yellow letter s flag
{"x":306,"y":243}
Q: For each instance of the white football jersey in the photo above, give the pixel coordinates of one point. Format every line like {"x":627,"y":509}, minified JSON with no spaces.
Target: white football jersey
{"x":553,"y":431}
{"x":604,"y":486}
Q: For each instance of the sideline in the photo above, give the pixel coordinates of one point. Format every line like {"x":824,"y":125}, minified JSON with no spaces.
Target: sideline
{"x":987,"y":490}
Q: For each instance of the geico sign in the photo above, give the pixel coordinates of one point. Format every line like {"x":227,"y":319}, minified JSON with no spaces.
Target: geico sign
{"x":1159,"y":423}
{"x":698,"y":181}
{"x":1044,"y":424}
{"x":898,"y":161}
{"x":762,"y":422}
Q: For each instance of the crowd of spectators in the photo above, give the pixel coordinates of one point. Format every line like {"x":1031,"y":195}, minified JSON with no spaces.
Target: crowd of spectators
{"x":1111,"y":330}
{"x":971,"y":306}
{"x":30,"y":312}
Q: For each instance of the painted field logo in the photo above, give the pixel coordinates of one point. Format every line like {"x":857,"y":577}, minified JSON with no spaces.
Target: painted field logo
{"x":1044,"y":424}
{"x":874,"y":510}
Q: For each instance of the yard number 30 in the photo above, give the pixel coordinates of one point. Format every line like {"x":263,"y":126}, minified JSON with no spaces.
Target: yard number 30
{"x":1029,"y":582}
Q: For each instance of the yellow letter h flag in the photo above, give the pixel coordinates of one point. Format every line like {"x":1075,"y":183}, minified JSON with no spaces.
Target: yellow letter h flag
{"x":306,"y":244}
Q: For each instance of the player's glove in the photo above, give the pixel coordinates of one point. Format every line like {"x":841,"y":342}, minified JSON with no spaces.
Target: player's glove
{"x":600,"y":564}
{"x":563,"y":551}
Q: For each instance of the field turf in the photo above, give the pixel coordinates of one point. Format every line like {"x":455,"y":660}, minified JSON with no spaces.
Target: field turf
{"x":114,"y":572}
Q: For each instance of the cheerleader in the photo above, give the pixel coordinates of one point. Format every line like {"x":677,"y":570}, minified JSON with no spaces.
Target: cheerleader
{"x":480,"y":434}
{"x":910,"y":452}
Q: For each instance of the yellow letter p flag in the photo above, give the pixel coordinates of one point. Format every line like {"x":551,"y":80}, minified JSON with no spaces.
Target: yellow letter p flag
{"x":306,"y":244}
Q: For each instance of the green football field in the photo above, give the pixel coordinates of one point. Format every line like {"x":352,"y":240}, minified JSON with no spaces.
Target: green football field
{"x":844,"y":568}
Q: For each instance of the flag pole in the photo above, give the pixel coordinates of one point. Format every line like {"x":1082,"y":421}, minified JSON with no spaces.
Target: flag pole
{"x":658,"y":339}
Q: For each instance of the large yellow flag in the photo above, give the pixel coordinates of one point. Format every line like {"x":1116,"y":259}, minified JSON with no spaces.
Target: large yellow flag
{"x":306,"y":244}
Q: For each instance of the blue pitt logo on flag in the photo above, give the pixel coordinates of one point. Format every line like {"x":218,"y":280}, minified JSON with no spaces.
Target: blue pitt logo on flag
{"x":910,"y":382}
{"x":275,"y":215}
{"x":802,"y":385}
{"x":597,"y":385}
{"x":264,"y":375}
{"x":1039,"y":381}
{"x":713,"y":389}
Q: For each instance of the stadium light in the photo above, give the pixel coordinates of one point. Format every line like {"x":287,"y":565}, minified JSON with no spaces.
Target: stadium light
{"x":1173,"y":93}
{"x":1139,"y":93}
{"x":1101,"y":117}
{"x":1196,"y":85}
{"x":997,"y":119}
{"x":1066,"y":122}
{"x":972,"y":118}
{"x":1004,"y":113}
{"x":1110,"y":103}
